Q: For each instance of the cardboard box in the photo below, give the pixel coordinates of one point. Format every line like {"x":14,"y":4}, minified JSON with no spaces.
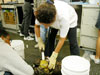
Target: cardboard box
{"x":20,"y":1}
{"x":7,"y":1}
{"x":1,"y":1}
{"x":14,"y":0}
{"x":9,"y":17}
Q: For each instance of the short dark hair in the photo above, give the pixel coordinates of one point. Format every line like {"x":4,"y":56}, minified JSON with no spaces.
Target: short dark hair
{"x":3,"y":33}
{"x":46,"y":13}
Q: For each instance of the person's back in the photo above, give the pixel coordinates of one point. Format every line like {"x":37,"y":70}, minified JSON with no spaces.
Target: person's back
{"x":10,"y":61}
{"x":67,"y":12}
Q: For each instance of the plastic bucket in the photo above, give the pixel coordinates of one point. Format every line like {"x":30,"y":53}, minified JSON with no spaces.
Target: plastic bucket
{"x":75,"y":65}
{"x":18,"y":46}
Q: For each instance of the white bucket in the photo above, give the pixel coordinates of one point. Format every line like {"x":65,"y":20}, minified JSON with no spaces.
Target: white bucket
{"x":18,"y":46}
{"x":96,"y":2}
{"x":1,"y":73}
{"x":75,"y":65}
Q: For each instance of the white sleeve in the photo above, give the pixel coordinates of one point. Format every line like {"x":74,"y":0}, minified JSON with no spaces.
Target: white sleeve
{"x":37,"y":22}
{"x":16,"y":65}
{"x":64,"y":28}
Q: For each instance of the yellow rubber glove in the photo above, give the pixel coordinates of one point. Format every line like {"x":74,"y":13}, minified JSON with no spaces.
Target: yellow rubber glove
{"x":52,"y":60}
{"x":41,"y":44}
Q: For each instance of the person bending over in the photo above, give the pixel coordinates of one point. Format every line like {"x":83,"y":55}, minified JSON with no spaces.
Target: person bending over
{"x":60,"y":16}
{"x":10,"y":61}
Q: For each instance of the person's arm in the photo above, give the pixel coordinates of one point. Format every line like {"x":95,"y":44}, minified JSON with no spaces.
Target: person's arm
{"x":60,"y":44}
{"x":37,"y":30}
{"x":40,"y":41}
{"x":63,"y":33}
{"x":55,"y":53}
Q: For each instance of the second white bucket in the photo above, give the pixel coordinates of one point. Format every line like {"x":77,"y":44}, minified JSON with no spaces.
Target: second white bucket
{"x":18,"y":46}
{"x":75,"y":65}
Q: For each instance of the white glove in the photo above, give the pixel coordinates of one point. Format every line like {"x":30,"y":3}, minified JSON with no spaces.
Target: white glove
{"x":40,"y":43}
{"x":52,"y":60}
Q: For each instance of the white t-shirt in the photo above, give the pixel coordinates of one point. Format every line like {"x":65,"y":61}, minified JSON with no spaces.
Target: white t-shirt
{"x":66,"y":18}
{"x":12,"y":62}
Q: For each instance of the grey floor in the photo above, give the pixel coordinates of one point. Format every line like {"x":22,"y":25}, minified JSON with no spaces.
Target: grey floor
{"x":32,"y":54}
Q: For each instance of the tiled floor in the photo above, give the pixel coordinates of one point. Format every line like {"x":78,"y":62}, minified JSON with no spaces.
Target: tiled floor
{"x":32,"y":54}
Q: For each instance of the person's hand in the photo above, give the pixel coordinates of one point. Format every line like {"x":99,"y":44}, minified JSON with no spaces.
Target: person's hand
{"x":52,"y":60}
{"x":41,"y":44}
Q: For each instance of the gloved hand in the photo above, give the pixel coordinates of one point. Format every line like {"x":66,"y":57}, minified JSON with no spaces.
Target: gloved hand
{"x":52,"y":60}
{"x":40,"y":43}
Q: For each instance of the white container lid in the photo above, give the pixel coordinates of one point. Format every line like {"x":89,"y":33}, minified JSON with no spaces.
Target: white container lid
{"x":75,"y":63}
{"x":18,"y":46}
{"x":15,"y":43}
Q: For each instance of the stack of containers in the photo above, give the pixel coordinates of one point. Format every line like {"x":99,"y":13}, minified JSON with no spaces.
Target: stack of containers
{"x":75,"y":65}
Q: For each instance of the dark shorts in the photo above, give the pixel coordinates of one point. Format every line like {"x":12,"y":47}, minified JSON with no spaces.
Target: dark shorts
{"x":98,"y":22}
{"x":98,"y":25}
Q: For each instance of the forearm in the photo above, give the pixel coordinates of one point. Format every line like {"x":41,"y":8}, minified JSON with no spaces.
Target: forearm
{"x":60,"y":44}
{"x":55,"y":54}
{"x":37,"y":30}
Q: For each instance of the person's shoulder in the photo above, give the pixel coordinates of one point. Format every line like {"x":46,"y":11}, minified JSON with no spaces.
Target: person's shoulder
{"x":59,"y":2}
{"x":5,"y":50}
{"x":37,"y":22}
{"x":61,"y":5}
{"x":5,"y":46}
